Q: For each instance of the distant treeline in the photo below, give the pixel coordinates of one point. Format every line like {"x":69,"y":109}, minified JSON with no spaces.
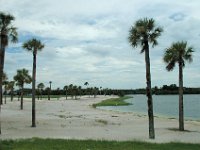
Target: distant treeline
{"x":164,"y":90}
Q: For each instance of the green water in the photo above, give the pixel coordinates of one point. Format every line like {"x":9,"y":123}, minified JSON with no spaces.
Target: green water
{"x":164,"y":105}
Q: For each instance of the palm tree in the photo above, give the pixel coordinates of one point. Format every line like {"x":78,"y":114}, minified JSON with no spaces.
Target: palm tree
{"x":49,"y":92}
{"x":86,"y":84}
{"x":65,"y":88}
{"x":11,"y":88}
{"x":141,"y":34}
{"x":40,"y":87}
{"x":7,"y":31}
{"x":33,"y":46}
{"x":100,"y":90}
{"x":58,"y":93}
{"x":178,"y":53}
{"x":71,"y":90}
{"x":21,"y":78}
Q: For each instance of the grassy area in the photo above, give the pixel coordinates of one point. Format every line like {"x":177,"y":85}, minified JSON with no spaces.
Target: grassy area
{"x":58,"y":144}
{"x":113,"y":102}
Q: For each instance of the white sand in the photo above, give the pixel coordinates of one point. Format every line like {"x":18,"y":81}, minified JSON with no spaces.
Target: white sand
{"x":76,"y":119}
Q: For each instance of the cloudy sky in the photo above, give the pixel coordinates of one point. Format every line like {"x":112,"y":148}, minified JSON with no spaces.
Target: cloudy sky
{"x":86,"y":40}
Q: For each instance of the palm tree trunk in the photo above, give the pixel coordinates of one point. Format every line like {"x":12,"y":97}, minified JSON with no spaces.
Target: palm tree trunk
{"x":149,"y":93}
{"x":33,"y":89}
{"x":18,"y":95}
{"x":22,"y":95}
{"x":1,"y":76}
{"x":2,"y":54}
{"x":181,"y":111}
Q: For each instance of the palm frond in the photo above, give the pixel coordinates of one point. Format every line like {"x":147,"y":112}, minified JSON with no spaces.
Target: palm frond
{"x":177,"y":53}
{"x":188,"y":54}
{"x":170,"y":66}
{"x":150,"y":24}
{"x":32,"y":45}
{"x":7,"y":31}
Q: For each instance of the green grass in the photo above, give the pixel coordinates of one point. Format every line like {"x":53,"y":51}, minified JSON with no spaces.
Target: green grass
{"x":113,"y":102}
{"x":61,"y":144}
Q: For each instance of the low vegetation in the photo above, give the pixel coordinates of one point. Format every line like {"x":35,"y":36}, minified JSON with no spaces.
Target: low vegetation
{"x":61,"y":144}
{"x":113,"y":102}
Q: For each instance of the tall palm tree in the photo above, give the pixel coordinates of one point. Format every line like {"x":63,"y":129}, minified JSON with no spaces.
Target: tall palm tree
{"x":11,"y":85}
{"x":49,"y":92}
{"x":33,"y":46}
{"x":65,"y":88}
{"x":22,"y":77}
{"x":178,"y":53}
{"x":7,"y":31}
{"x":142,"y":33}
{"x":40,"y":87}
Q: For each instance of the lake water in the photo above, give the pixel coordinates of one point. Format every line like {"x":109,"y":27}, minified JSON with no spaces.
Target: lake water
{"x":164,"y":105}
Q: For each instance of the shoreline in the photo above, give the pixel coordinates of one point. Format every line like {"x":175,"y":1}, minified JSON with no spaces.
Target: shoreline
{"x":76,"y":119}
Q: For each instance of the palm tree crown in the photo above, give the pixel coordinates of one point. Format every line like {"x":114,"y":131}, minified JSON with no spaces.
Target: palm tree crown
{"x":40,"y":86}
{"x":33,"y":45}
{"x":177,"y":53}
{"x":22,"y":77}
{"x":144,"y":31}
{"x":7,"y":30}
{"x":86,"y":83}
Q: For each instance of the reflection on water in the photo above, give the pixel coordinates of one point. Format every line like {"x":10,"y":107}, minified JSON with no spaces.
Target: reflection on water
{"x":165,"y":105}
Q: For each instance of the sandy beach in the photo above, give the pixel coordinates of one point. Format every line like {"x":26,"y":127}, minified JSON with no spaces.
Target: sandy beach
{"x":76,"y":119}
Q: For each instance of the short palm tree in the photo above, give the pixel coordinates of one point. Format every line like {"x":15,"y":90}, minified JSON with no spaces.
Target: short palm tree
{"x":11,"y":85}
{"x":65,"y":88}
{"x":142,"y":33}
{"x":100,"y":90}
{"x":40,"y":87}
{"x":178,"y":53}
{"x":33,"y":46}
{"x":22,"y":77}
{"x":71,"y":90}
{"x":87,"y":89}
{"x":7,"y":32}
